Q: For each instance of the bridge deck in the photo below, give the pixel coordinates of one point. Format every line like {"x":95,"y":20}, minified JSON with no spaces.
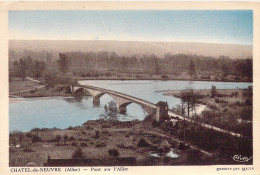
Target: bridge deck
{"x":152,"y":105}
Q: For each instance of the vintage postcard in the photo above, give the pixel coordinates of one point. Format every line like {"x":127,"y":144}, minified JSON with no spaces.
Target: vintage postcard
{"x":130,"y":87}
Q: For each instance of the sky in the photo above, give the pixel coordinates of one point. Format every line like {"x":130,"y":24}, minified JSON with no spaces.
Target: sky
{"x":206,"y":26}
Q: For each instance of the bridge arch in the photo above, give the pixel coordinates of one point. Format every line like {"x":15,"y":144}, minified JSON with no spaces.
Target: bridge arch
{"x":122,"y":108}
{"x":80,"y":89}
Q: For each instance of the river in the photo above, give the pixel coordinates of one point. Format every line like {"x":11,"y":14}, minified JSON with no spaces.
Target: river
{"x":60,"y":112}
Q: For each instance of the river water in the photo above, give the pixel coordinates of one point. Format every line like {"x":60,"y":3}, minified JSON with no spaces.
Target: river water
{"x":60,"y":112}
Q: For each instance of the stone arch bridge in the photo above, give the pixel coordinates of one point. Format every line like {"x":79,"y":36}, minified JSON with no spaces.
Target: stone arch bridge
{"x":121,"y":99}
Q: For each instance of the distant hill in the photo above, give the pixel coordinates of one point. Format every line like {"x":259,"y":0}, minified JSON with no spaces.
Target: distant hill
{"x":127,"y":48}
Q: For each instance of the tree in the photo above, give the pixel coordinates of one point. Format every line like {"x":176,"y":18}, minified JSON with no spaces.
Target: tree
{"x":50,"y":77}
{"x":63,"y":63}
{"x":213,"y":91}
{"x":188,"y":98}
{"x":110,"y":111}
{"x":246,"y":113}
{"x":78,"y":154}
{"x":66,"y":137}
{"x":39,"y":67}
{"x":22,"y":68}
{"x":192,"y":70}
{"x":58,"y":138}
{"x":19,"y":135}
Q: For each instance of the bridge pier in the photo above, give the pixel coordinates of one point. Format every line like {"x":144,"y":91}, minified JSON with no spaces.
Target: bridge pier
{"x":96,"y":101}
{"x":121,"y":109}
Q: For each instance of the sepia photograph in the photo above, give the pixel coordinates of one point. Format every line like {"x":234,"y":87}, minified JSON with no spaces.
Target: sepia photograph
{"x":93,"y":88}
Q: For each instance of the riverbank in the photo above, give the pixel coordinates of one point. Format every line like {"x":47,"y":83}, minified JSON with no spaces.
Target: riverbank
{"x":223,"y":97}
{"x":163,"y":78}
{"x":227,"y":106}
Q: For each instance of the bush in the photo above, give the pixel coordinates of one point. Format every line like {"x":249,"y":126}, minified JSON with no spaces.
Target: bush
{"x":181,"y":146}
{"x":143,"y":143}
{"x":28,"y":149}
{"x":74,"y":144}
{"x":164,"y":77}
{"x":83,"y":144}
{"x":122,"y":145}
{"x":36,"y":138}
{"x":106,"y":132}
{"x":83,"y":132}
{"x":29,"y":135}
{"x":78,"y":154}
{"x":70,"y":128}
{"x":248,"y":102}
{"x":108,"y":74}
{"x":97,"y":134}
{"x":237,"y":103}
{"x":165,"y":146}
{"x":113,"y":152}
{"x":72,"y":138}
{"x":100,"y":144}
{"x":106,"y":125}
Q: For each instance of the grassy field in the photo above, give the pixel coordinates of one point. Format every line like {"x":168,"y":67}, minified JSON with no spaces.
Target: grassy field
{"x":17,"y":84}
{"x":96,"y":138}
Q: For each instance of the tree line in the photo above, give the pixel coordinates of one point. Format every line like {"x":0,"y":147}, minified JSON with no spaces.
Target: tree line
{"x":86,"y":63}
{"x":27,"y":67}
{"x":82,"y":62}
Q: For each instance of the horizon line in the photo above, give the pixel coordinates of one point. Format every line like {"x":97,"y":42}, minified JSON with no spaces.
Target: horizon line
{"x":130,"y":41}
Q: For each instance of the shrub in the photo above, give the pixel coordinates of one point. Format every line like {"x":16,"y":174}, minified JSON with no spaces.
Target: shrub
{"x":164,"y":77}
{"x":35,"y":130}
{"x":122,"y":145}
{"x":74,"y":144}
{"x":83,"y":144}
{"x":78,"y":154}
{"x":248,"y":102}
{"x":108,"y":74}
{"x":65,"y":137}
{"x":28,"y":149}
{"x":83,"y":132}
{"x":213,"y":105}
{"x":237,"y":103}
{"x":70,"y":128}
{"x":58,"y":138}
{"x":36,"y":138}
{"x":113,"y":152}
{"x":143,"y":143}
{"x":237,"y":78}
{"x":106,"y":125}
{"x":181,"y":146}
{"x":106,"y":132}
{"x":100,"y":144}
{"x":97,"y":134}
{"x":72,"y":138}
{"x":165,"y":146}
{"x":29,"y":135}
{"x":88,"y":127}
